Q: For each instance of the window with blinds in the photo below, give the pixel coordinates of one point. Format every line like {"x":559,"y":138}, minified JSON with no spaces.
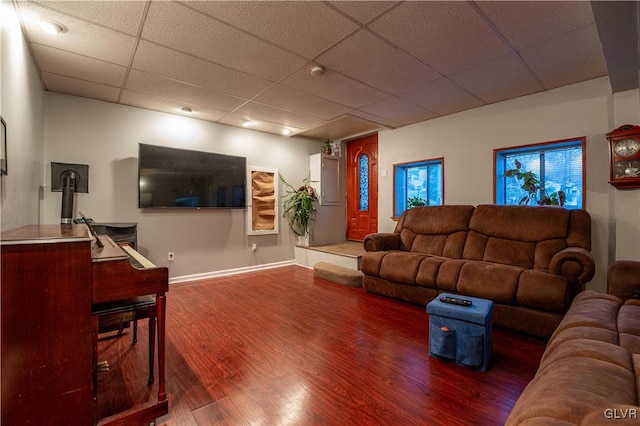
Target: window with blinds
{"x":417,"y":183}
{"x":559,"y":166}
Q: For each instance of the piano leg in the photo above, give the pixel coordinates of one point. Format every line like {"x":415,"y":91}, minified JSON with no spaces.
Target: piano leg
{"x":161,"y":305}
{"x":152,"y":344}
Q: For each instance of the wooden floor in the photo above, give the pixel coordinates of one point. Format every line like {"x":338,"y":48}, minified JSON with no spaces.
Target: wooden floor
{"x":279,"y":347}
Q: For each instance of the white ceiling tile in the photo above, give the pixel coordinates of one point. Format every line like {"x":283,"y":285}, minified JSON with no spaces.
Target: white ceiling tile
{"x":447,"y":36}
{"x":81,"y":67}
{"x":156,"y":59}
{"x":366,"y":58}
{"x":568,"y":59}
{"x":155,"y":103}
{"x":527,"y":23}
{"x":364,"y":11}
{"x":334,"y":86}
{"x":304,"y":27}
{"x":291,"y":99}
{"x":258,"y":125}
{"x":498,"y":80}
{"x":81,"y":36}
{"x":384,"y":122}
{"x":341,"y":128}
{"x":185,"y":94}
{"x":85,"y":89}
{"x":399,"y":110}
{"x":124,"y":16}
{"x":253,"y":110}
{"x":181,"y":28}
{"x":443,"y":97}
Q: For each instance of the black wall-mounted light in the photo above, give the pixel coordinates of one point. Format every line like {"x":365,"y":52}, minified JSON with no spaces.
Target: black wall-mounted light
{"x":69,"y":179}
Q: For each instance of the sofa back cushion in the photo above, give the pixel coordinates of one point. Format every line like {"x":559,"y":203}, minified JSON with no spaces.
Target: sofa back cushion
{"x":524,"y":236}
{"x":435,"y":230}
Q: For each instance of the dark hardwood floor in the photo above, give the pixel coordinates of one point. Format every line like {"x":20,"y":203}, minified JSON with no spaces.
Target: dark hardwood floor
{"x":279,"y":347}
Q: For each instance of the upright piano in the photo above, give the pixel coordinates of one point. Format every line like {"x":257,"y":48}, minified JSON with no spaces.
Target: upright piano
{"x":50,"y":275}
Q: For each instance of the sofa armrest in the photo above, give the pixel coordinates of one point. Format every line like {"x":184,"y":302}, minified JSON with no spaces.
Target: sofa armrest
{"x":576,"y":264}
{"x":382,"y":242}
{"x":623,"y":278}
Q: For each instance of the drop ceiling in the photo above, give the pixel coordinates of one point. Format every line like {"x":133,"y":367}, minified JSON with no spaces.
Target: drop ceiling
{"x":386,"y":64}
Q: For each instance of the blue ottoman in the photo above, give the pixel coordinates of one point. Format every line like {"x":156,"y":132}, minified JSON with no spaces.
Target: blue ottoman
{"x":466,"y":338}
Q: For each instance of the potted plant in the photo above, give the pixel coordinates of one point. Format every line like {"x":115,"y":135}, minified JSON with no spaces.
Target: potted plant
{"x":416,"y":202}
{"x":327,"y":148}
{"x":534,"y":190}
{"x":298,"y":207}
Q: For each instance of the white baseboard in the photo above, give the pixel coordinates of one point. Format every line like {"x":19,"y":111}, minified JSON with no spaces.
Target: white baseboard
{"x":227,"y":272}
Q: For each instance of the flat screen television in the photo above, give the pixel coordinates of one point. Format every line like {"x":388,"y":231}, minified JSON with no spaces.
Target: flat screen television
{"x":181,"y":178}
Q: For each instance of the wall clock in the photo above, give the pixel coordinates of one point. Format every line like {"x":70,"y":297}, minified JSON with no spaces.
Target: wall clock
{"x":624,"y":156}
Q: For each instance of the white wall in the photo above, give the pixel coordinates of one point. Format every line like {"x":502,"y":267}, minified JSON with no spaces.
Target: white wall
{"x":106,"y":136}
{"x":467,"y":140}
{"x":21,"y":106}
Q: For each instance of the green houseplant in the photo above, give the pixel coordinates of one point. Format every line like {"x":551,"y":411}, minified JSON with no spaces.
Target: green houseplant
{"x":416,"y":202}
{"x":298,"y":207}
{"x":534,"y":190}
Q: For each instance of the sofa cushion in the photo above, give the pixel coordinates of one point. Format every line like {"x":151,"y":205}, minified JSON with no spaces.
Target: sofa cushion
{"x":372,"y":262}
{"x":511,"y":235}
{"x":448,"y":274}
{"x":572,"y":388}
{"x":428,"y":271}
{"x":591,"y":309}
{"x":435,"y":230}
{"x":580,"y":332}
{"x":540,"y":290}
{"x":401,"y":267}
{"x":489,"y":281}
{"x":587,"y":348}
{"x":629,"y":325}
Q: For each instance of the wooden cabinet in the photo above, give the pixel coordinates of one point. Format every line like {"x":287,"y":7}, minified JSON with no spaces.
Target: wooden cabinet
{"x":324,"y":174}
{"x":46,"y":326}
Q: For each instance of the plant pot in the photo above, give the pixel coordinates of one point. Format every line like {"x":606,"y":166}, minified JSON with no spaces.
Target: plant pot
{"x":303,"y":240}
{"x":326,"y":150}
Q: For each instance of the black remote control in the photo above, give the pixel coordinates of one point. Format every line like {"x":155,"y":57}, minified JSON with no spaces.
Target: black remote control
{"x":456,"y":301}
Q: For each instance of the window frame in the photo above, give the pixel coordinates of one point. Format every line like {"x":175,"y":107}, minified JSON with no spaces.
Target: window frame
{"x":499,"y":152}
{"x":407,"y":164}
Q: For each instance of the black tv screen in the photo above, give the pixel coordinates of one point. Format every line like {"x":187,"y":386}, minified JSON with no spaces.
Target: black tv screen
{"x":181,"y":178}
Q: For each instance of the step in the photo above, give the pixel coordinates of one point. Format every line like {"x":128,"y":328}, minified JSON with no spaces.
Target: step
{"x":338,"y":274}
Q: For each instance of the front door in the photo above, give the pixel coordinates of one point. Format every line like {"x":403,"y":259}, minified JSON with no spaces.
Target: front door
{"x":362,"y":187}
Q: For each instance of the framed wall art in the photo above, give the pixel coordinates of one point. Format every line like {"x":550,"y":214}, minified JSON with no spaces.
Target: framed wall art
{"x":3,"y":148}
{"x":262,"y":203}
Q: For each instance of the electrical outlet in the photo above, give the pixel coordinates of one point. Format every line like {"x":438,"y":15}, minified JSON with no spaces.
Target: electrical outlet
{"x":254,"y":247}
{"x":171,"y":256}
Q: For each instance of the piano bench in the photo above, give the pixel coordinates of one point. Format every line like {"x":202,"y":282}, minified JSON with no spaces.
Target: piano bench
{"x":116,"y":315}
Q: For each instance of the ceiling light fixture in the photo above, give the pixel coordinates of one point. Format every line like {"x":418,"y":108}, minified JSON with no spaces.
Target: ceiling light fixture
{"x":186,"y":109}
{"x":317,"y":70}
{"x":248,"y":123}
{"x":286,"y":132}
{"x":52,"y":27}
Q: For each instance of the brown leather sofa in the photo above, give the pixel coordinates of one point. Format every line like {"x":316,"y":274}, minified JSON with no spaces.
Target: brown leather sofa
{"x":590,"y":371}
{"x":531,"y":261}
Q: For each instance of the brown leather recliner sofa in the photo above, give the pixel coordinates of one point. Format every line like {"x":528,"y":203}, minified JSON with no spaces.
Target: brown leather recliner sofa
{"x":590,"y":371}
{"x":530,"y":261}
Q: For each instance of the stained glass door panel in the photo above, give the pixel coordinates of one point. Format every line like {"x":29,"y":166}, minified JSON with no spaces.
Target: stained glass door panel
{"x":362,"y":187}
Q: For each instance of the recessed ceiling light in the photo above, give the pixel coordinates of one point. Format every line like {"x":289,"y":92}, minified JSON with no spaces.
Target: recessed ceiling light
{"x":286,"y":132}
{"x":186,"y":109}
{"x":52,"y":27}
{"x":248,"y":123}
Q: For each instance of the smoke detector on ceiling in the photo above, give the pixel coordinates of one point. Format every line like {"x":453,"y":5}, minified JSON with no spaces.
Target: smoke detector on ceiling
{"x":317,"y":70}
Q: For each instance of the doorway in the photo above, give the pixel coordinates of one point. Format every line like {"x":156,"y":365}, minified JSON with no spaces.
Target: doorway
{"x":362,"y":187}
